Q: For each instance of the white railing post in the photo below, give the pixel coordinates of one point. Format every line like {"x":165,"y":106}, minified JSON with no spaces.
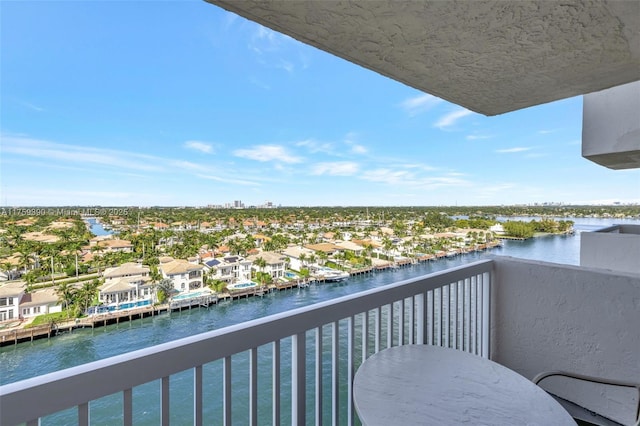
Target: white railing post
{"x":275,"y":396}
{"x":319,"y":380}
{"x":486,"y":311}
{"x":164,"y":402}
{"x":421,"y":319}
{"x":197,"y":395}
{"x":226,"y":390}
{"x":335,"y":376}
{"x":298,"y":379}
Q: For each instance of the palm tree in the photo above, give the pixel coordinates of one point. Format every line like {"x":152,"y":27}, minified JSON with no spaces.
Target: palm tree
{"x":164,"y":289}
{"x":66,"y":295}
{"x":260,"y":263}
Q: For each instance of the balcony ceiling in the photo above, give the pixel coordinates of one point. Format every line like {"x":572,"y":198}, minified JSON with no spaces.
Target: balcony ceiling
{"x":488,"y":56}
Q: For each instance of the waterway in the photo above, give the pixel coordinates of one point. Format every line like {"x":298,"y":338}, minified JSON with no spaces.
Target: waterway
{"x":44,"y":356}
{"x":96,"y":227}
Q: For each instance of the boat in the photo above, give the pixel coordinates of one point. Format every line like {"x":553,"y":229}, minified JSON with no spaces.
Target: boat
{"x":331,"y":275}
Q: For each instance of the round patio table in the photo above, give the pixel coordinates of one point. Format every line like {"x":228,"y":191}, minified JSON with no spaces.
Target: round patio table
{"x":431,"y":385}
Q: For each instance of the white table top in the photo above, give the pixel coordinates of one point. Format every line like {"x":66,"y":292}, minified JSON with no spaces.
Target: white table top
{"x":430,"y":385}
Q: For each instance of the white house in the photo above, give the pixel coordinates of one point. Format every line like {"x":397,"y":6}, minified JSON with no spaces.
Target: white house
{"x":11,"y":294}
{"x":276,"y":264}
{"x":126,"y":283}
{"x":40,"y":302}
{"x":186,"y":276}
{"x":294,"y":253}
{"x":230,"y":269}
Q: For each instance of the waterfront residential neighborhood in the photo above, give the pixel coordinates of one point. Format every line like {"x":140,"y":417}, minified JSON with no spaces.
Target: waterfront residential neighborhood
{"x":56,"y":270}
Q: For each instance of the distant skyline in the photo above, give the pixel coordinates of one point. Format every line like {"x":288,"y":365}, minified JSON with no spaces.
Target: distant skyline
{"x":184,"y":104}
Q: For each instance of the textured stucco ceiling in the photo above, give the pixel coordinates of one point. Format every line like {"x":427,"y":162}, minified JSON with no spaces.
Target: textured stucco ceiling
{"x":488,"y":56}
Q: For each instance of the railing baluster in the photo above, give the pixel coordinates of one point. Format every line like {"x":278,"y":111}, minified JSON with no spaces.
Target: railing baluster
{"x":478,"y":328}
{"x":298,"y":379}
{"x":350,"y":368}
{"x":276,"y":382}
{"x":164,"y":402}
{"x":365,"y":335}
{"x":335,"y":385}
{"x":412,"y":307}
{"x":444,"y":315}
{"x":401,"y":318}
{"x":378,"y":329}
{"x":197,"y":395}
{"x":459,"y":317}
{"x":465,"y":314}
{"x":430,"y":316}
{"x":486,"y":312}
{"x":127,"y":407}
{"x":437,"y":333}
{"x":226,"y":390}
{"x":83,"y":414}
{"x":253,"y":386}
{"x":421,"y":319}
{"x":390,"y":325}
{"x":318,"y":376}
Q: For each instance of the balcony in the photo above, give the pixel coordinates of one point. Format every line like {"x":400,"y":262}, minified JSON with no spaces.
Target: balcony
{"x":297,"y":367}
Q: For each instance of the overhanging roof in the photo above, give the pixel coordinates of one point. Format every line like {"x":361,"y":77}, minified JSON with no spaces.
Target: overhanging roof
{"x":488,"y":56}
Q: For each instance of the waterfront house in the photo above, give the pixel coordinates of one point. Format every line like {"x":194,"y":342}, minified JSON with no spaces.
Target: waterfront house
{"x":491,"y":57}
{"x":229,"y":269}
{"x":294,"y":253}
{"x":128,"y":282}
{"x":39,"y":302}
{"x":11,"y":294}
{"x":275,"y":263}
{"x":327,"y":248}
{"x":185,"y":276}
{"x":107,"y":243}
{"x":350,"y":246}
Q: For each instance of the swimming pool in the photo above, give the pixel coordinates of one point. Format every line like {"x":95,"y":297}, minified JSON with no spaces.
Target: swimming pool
{"x":290,"y":275}
{"x":239,"y":286}
{"x":102,"y":309}
{"x":191,"y":295}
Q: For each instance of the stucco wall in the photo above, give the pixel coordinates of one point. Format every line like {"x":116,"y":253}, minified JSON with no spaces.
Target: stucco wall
{"x":611,"y":127}
{"x":616,"y":248}
{"x":556,"y":317}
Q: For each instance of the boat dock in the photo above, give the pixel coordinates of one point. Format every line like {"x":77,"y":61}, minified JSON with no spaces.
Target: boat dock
{"x":45,"y":331}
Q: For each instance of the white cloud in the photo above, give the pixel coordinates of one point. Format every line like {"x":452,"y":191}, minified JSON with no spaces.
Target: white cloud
{"x":337,"y":168}
{"x":359,"y":149}
{"x":188,"y":165}
{"x":32,"y":106}
{"x":512,"y":150}
{"x":266,"y":153}
{"x":229,"y":180}
{"x":80,"y":155}
{"x":477,"y":137}
{"x":451,"y":118}
{"x":410,"y":179}
{"x":204,"y":147}
{"x":314,"y":146}
{"x":388,"y":176}
{"x":419,"y":104}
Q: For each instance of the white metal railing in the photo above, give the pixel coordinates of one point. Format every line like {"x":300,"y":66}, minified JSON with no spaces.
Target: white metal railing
{"x":318,"y":348}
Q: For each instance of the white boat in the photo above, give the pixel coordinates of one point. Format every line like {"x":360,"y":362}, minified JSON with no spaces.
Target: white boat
{"x":331,"y":275}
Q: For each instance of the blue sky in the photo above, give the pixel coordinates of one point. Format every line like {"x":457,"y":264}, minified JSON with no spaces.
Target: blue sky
{"x":182,"y":103}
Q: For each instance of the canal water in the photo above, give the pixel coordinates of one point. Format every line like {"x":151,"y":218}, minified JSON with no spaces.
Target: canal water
{"x":27,"y":360}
